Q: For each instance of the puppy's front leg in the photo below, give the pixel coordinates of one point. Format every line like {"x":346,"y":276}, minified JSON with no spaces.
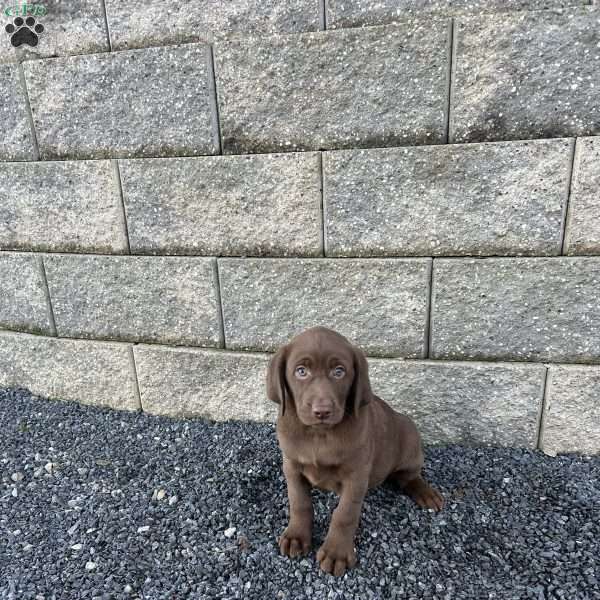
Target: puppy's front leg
{"x":296,"y":538}
{"x":337,"y":552}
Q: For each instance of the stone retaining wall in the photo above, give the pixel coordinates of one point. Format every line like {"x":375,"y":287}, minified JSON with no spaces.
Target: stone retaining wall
{"x":184,"y":187}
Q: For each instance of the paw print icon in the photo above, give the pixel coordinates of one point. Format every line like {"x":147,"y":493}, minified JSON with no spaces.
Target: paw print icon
{"x":24,"y":31}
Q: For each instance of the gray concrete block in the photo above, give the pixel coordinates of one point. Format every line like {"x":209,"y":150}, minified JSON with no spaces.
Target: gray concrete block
{"x":73,"y":27}
{"x":380,"y":304}
{"x":135,"y":298}
{"x":61,"y":206}
{"x":468,"y":403}
{"x":582,"y":234}
{"x":358,"y":13}
{"x":534,"y":309}
{"x":23,"y":294}
{"x":526,"y":75}
{"x":98,"y":373}
{"x":267,"y":205}
{"x":141,"y":23}
{"x":16,"y":141}
{"x":184,"y":382}
{"x":571,"y":420}
{"x":355,"y":88}
{"x":152,"y":102}
{"x":504,"y":198}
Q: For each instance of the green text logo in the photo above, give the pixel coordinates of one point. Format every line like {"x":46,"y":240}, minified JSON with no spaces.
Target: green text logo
{"x":23,"y":9}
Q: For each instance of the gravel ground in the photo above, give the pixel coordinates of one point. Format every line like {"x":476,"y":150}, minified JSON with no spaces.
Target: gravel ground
{"x":102,"y":504}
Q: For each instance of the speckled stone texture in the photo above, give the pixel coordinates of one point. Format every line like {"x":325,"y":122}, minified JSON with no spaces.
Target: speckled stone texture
{"x":152,"y":102}
{"x":467,"y":403}
{"x":267,"y":205}
{"x":23,"y":296}
{"x":217,"y":385}
{"x":572,"y":410}
{"x":366,"y":87}
{"x":141,"y":23}
{"x":583,"y":224}
{"x":135,"y":298}
{"x":16,"y":142}
{"x":537,"y":309}
{"x":61,"y":206}
{"x":357,"y":13}
{"x":379,"y":304}
{"x":479,"y":199}
{"x":97,"y":373}
{"x":526,"y":75}
{"x":70,"y":27}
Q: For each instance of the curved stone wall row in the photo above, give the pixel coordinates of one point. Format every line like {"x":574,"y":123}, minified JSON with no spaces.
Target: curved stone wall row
{"x":497,"y":404}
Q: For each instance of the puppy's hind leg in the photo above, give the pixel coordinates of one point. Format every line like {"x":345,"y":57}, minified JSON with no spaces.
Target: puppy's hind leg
{"x":415,"y":487}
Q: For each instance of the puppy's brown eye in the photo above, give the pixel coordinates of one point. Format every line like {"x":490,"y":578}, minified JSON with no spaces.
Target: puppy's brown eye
{"x":301,"y":372}
{"x":338,"y":372}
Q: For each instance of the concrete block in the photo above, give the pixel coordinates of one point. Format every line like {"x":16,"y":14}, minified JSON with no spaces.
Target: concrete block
{"x":23,"y":294}
{"x":141,"y":23}
{"x":571,"y":421}
{"x":537,"y":309}
{"x":123,"y":104}
{"x":583,"y":225}
{"x":358,"y":13}
{"x":381,"y":305}
{"x":467,"y":403}
{"x":16,"y":141}
{"x":98,"y":373}
{"x":61,"y":206}
{"x":73,"y":27}
{"x":526,"y":75}
{"x":504,"y":198}
{"x":356,"y":88}
{"x":184,"y":382}
{"x":267,"y":205}
{"x":135,"y":298}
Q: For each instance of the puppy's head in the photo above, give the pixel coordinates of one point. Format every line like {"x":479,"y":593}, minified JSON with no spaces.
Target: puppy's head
{"x":321,"y":377}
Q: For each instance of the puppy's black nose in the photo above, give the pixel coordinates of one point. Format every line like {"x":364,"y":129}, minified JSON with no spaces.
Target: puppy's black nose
{"x":322,"y":414}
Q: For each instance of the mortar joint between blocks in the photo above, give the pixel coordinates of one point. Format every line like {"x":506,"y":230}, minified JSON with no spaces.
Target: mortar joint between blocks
{"x":29,"y":113}
{"x":47,"y":294}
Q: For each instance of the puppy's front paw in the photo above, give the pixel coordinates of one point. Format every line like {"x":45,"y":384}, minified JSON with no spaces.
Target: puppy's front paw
{"x":294,"y":542}
{"x":335,"y":556}
{"x":428,"y":497}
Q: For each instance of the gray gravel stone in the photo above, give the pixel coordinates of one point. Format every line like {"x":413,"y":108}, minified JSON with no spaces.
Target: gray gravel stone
{"x":380,"y":304}
{"x":518,"y":525}
{"x":99,"y":373}
{"x":481,"y":404}
{"x":183,"y":382}
{"x":583,"y":226}
{"x":267,"y":205}
{"x":357,"y":13}
{"x":372,"y":87}
{"x":61,"y":206}
{"x":152,"y":102}
{"x":477,"y":199}
{"x":572,"y":410}
{"x":16,"y":142}
{"x":526,"y":75}
{"x":516,"y":309}
{"x":135,"y":298}
{"x":73,"y":27}
{"x":141,"y":23}
{"x":23,"y":294}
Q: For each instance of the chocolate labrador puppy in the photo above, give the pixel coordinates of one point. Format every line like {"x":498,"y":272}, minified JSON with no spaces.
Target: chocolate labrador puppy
{"x":335,"y":434}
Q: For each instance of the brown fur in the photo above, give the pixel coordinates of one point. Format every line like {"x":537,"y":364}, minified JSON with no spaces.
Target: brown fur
{"x":335,"y":434}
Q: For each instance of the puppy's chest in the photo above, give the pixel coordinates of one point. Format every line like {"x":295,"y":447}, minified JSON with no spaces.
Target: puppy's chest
{"x":320,"y":465}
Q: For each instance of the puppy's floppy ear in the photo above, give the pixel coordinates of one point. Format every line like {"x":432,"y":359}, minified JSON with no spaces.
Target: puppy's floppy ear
{"x":277,"y":388}
{"x":360,"y":392}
